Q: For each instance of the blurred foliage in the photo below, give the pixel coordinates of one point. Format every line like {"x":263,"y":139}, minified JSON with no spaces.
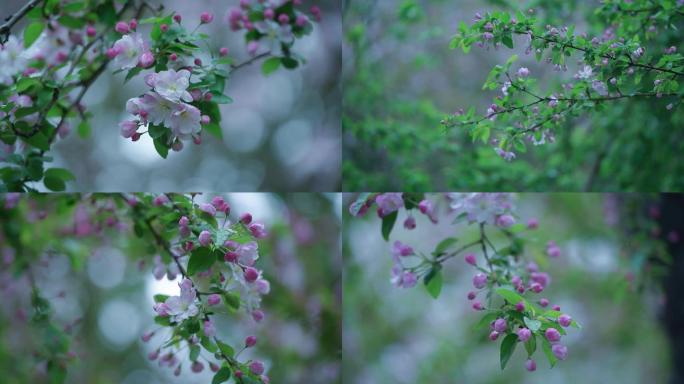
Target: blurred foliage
{"x":401,"y":79}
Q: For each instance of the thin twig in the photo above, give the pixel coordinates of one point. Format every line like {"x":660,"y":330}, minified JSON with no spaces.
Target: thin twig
{"x":13,"y":19}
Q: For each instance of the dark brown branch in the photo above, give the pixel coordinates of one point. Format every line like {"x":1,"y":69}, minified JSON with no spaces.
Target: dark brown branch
{"x":13,"y":19}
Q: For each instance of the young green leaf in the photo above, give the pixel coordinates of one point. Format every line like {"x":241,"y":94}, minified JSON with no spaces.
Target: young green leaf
{"x":444,"y":245}
{"x":507,"y":347}
{"x":533,"y":325}
{"x":546,"y":347}
{"x":271,"y":65}
{"x":387,"y":224}
{"x":434,"y":280}
{"x":531,"y":345}
{"x":32,"y":32}
{"x":201,"y":259}
{"x":221,"y":376}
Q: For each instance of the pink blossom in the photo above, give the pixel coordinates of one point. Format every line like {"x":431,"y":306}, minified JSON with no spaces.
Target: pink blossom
{"x":214,"y":299}
{"x":209,"y":328}
{"x":552,"y":335}
{"x":480,"y":280}
{"x":250,"y":341}
{"x":388,"y":203}
{"x":524,"y":334}
{"x":564,"y":320}
{"x":257,"y":367}
{"x":205,"y":238}
{"x":530,"y":365}
{"x":560,"y":351}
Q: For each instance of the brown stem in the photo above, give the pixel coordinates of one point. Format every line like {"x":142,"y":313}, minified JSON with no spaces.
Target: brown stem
{"x":13,"y":19}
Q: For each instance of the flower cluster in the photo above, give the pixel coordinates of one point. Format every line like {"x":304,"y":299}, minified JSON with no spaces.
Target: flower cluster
{"x":611,"y":68}
{"x":511,"y":286}
{"x":184,"y":90}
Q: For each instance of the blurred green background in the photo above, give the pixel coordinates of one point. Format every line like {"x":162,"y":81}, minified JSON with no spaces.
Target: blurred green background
{"x":108,"y":300}
{"x":394,"y":335}
{"x":401,"y":79}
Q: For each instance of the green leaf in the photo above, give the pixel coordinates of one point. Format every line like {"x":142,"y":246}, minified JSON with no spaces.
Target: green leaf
{"x":232,"y":300}
{"x":73,"y":7}
{"x":507,"y":40}
{"x":533,"y":325}
{"x":271,"y":65}
{"x":160,"y":298}
{"x":289,"y":62}
{"x":71,"y":22}
{"x":60,"y":173}
{"x":201,"y":259}
{"x":225,"y":348}
{"x":54,"y":184}
{"x":161,"y":148}
{"x":32,"y":32}
{"x":84,"y":129}
{"x":163,"y":320}
{"x":531,"y":345}
{"x":221,"y":99}
{"x":194,"y":352}
{"x":546,"y":347}
{"x":507,"y":347}
{"x":208,"y":344}
{"x":221,"y":376}
{"x":444,"y":245}
{"x":486,"y":319}
{"x":434,"y":280}
{"x":387,"y":224}
{"x":509,"y":295}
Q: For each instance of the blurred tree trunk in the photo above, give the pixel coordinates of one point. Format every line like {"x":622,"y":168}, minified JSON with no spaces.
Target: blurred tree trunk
{"x":672,"y":219}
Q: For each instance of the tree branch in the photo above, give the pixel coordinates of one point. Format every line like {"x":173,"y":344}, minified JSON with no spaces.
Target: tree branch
{"x":13,"y":19}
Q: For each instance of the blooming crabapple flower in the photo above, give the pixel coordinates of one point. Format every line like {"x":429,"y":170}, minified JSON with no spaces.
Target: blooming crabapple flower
{"x":247,"y":253}
{"x":220,"y":204}
{"x":252,"y":48}
{"x":258,"y":230}
{"x":477,"y":306}
{"x":470,"y":259}
{"x":129,"y":48}
{"x":523,"y":72}
{"x":262,"y":286}
{"x":600,"y":87}
{"x":403,"y":279}
{"x":520,"y":306}
{"x":552,"y":335}
{"x":542,"y":278}
{"x":505,"y":221}
{"x":564,"y":320}
{"x":209,"y":328}
{"x":388,"y":203}
{"x":208,"y":208}
{"x":585,"y":73}
{"x":532,"y":223}
{"x":180,"y":307}
{"x":487,"y":35}
{"x":205,"y":238}
{"x":500,"y":325}
{"x":185,"y":121}
{"x":257,"y":367}
{"x":493,"y":335}
{"x":401,"y":250}
{"x":560,"y":351}
{"x":410,"y":223}
{"x":214,"y":299}
{"x":530,"y":365}
{"x":250,"y":341}
{"x":128,"y":128}
{"x":171,"y":85}
{"x":276,"y":33}
{"x":480,"y":280}
{"x":524,"y":334}
{"x":427,"y":209}
{"x":12,"y":59}
{"x":552,"y":249}
{"x":637,"y":53}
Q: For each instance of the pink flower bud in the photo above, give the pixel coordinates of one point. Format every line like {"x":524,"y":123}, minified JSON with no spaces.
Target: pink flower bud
{"x":133,"y":24}
{"x":173,"y":57}
{"x":524,"y":334}
{"x":206,"y":17}
{"x":258,"y":315}
{"x":197,"y":367}
{"x":121,"y":27}
{"x":532,"y":223}
{"x":536,"y":288}
{"x":205,"y":238}
{"x":555,"y":307}
{"x":238,"y":374}
{"x":208,"y":208}
{"x":301,"y":20}
{"x":520,"y":306}
{"x":230,"y":256}
{"x":493,"y":335}
{"x":164,"y":27}
{"x":213,"y":367}
{"x":269,"y":14}
{"x":214,"y":299}
{"x":208,"y":96}
{"x":257,"y":367}
{"x":257,"y":230}
{"x":530,"y":365}
{"x":410,"y":223}
{"x":223,"y":51}
{"x":470,"y":259}
{"x":196,"y":94}
{"x":505,"y":221}
{"x":147,"y":336}
{"x":552,"y":335}
{"x":250,"y":341}
{"x":184,"y":221}
{"x":153,"y":355}
{"x":560,"y":351}
{"x":471,"y":295}
{"x":198,"y":62}
{"x":146,"y":59}
{"x":283,"y":18}
{"x":246,"y":218}
{"x":500,"y":325}
{"x":477,"y":306}
{"x":251,"y":274}
{"x":91,"y":31}
{"x":543,"y":302}
{"x":564,"y":320}
{"x":177,"y":18}
{"x":480,"y":280}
